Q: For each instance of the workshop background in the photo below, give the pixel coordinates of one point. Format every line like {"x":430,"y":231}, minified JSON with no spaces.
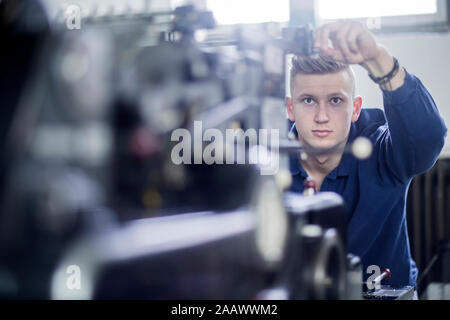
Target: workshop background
{"x":91,"y":91}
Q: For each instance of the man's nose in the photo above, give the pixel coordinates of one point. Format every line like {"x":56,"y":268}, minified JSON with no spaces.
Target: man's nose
{"x":321,"y":115}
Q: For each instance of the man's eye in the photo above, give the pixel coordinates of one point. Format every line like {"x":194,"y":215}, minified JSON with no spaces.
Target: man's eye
{"x":336,"y":100}
{"x":308,"y":101}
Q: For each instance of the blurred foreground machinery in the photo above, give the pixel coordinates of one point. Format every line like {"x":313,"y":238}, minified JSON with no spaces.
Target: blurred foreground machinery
{"x":98,"y":198}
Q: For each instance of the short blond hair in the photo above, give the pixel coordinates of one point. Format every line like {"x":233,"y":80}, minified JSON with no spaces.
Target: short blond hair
{"x":318,"y":64}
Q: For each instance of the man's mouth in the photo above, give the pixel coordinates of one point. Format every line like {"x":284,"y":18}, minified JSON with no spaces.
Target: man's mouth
{"x":321,"y":133}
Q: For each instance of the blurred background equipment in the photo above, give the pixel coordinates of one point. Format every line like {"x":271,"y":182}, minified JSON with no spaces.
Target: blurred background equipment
{"x":92,"y":96}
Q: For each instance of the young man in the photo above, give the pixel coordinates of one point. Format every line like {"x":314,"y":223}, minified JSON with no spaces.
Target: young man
{"x":407,"y":139}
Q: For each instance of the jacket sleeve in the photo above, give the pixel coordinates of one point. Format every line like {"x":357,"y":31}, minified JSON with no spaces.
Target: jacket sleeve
{"x":415,"y":132}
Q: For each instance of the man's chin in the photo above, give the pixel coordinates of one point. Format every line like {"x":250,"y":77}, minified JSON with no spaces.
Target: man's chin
{"x":323,"y":145}
{"x":320,"y":145}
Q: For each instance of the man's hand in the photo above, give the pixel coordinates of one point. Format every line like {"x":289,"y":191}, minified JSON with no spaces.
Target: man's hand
{"x":353,"y":43}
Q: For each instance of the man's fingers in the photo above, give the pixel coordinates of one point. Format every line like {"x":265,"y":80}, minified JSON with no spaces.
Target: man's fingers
{"x":336,"y":54}
{"x":339,"y":39}
{"x":354,"y":55}
{"x":361,"y":41}
{"x":344,"y":38}
{"x":322,"y":37}
{"x":352,"y":38}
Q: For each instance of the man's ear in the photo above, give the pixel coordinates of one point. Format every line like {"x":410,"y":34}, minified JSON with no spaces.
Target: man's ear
{"x":357,"y":104}
{"x":290,"y":110}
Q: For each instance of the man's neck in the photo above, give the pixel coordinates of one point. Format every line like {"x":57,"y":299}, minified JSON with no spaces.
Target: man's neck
{"x":321,"y":166}
{"x":318,"y":167}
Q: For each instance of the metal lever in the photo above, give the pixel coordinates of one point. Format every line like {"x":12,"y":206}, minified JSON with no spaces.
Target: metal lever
{"x":385,"y":274}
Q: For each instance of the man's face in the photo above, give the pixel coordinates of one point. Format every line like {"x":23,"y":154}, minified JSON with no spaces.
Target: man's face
{"x":323,"y":107}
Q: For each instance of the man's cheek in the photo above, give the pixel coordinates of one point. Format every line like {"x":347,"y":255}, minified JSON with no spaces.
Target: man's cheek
{"x":303,"y":136}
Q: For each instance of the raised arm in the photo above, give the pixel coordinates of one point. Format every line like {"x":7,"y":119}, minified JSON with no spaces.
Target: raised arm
{"x":415,"y":132}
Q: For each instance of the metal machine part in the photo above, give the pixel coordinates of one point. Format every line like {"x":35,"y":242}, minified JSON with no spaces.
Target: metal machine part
{"x":389,"y":293}
{"x":354,"y":277}
{"x":328,"y":266}
{"x":325,"y":209}
{"x":295,"y":35}
{"x":377,"y":291}
{"x":385,"y":274}
{"x":165,"y":255}
{"x":317,"y":246}
{"x":162,"y":258}
{"x":271,"y":231}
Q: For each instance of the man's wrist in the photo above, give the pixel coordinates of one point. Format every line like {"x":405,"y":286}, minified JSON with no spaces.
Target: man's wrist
{"x":381,"y":65}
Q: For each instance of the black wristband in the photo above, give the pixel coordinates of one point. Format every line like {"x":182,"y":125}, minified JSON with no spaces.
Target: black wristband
{"x":384,"y":79}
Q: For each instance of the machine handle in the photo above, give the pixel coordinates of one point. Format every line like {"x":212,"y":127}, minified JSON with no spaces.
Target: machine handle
{"x":385,"y":274}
